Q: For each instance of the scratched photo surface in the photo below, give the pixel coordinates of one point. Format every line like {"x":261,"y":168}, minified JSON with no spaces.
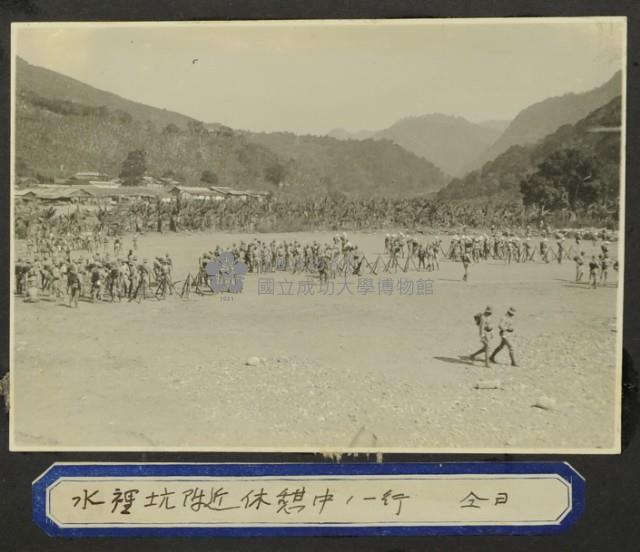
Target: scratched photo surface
{"x":318,"y":236}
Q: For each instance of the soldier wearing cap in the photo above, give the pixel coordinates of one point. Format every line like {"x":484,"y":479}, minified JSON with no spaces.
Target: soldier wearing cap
{"x":74,"y":286}
{"x":560,"y":244}
{"x":594,"y":265}
{"x":322,"y":265}
{"x":526,"y":249}
{"x":20,"y":269}
{"x":506,"y":329}
{"x":604,"y":269}
{"x":466,"y":261}
{"x":96,"y":282}
{"x":579,"y":260}
{"x":544,"y":250}
{"x":485,"y":329}
{"x":422,"y":255}
{"x":435,"y":251}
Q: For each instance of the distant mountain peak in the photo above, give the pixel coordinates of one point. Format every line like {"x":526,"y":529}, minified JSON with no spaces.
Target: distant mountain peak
{"x":501,"y":176}
{"x":448,"y":141}
{"x":343,"y":134}
{"x":544,"y":117}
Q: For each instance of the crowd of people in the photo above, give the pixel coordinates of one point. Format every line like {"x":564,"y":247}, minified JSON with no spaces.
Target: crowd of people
{"x":80,"y":255}
{"x":69,"y":263}
{"x":504,"y":245}
{"x":97,"y":276}
{"x":260,"y":256}
{"x":94,"y":267}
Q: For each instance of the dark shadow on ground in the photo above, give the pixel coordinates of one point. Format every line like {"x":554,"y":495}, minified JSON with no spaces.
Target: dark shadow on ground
{"x":454,"y":360}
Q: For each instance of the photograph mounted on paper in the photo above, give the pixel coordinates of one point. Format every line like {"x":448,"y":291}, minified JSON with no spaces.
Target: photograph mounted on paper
{"x":323,"y":236}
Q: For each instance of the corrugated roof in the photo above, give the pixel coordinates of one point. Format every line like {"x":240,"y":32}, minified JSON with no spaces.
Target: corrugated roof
{"x":88,"y":191}
{"x":195,"y":190}
{"x":129,"y":191}
{"x":22,"y":193}
{"x":220,"y":189}
{"x":229,"y":191}
{"x":56,"y":194}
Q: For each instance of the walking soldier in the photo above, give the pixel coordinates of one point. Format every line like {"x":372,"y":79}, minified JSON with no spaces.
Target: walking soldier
{"x":485,"y":329}
{"x":506,"y":329}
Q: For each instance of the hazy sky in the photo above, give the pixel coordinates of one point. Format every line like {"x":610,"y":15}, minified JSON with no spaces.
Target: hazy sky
{"x":310,"y":78}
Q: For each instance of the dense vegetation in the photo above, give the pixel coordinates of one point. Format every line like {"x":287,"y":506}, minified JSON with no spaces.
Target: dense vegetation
{"x":357,"y":168}
{"x":64,"y":126}
{"x":543,"y":118}
{"x":577,"y":168}
{"x":276,"y":215}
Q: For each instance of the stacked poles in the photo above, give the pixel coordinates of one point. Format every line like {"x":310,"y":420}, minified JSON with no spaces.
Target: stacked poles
{"x":344,"y":265}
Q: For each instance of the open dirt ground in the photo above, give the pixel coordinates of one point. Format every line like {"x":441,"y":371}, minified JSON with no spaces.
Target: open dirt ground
{"x":342,"y":371}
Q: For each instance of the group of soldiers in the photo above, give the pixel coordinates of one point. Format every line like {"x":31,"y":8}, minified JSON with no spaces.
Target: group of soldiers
{"x":49,"y":269}
{"x":506,"y":329}
{"x":102,"y":276}
{"x":598,"y":267}
{"x":50,"y":243}
{"x":598,"y":271}
{"x":505,"y":245}
{"x":398,"y":246}
{"x":97,"y":277}
{"x":508,"y":247}
{"x":259,"y":256}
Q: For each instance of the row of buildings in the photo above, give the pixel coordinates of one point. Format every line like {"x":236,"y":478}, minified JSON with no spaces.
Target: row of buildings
{"x":94,"y":188}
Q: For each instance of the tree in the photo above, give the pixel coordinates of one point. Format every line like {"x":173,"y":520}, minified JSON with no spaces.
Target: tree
{"x":123,"y":116}
{"x":174,"y":175}
{"x":101,"y":111}
{"x":275,"y":173}
{"x":171,"y":129}
{"x":537,"y":190}
{"x":196,"y":127}
{"x":566,"y":179}
{"x":209,"y":177}
{"x":22,"y":168}
{"x":134,"y":167}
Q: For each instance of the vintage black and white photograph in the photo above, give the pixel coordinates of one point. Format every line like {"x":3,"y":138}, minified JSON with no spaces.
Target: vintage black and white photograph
{"x":326,"y":236}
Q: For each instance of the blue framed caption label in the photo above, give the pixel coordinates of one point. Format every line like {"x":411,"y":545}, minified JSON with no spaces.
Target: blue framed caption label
{"x":190,"y":500}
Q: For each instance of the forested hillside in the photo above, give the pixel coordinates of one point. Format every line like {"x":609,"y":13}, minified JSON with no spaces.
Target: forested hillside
{"x":588,"y":150}
{"x":64,"y":126}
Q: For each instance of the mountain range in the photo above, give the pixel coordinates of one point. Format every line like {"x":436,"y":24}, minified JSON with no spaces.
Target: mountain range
{"x":596,"y":136}
{"x":449,"y":142}
{"x":55,"y":86}
{"x":544,"y":117}
{"x":64,"y":126}
{"x":366,"y":167}
{"x":459,"y":146}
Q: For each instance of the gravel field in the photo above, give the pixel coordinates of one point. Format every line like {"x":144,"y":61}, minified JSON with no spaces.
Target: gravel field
{"x":337,"y":372}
